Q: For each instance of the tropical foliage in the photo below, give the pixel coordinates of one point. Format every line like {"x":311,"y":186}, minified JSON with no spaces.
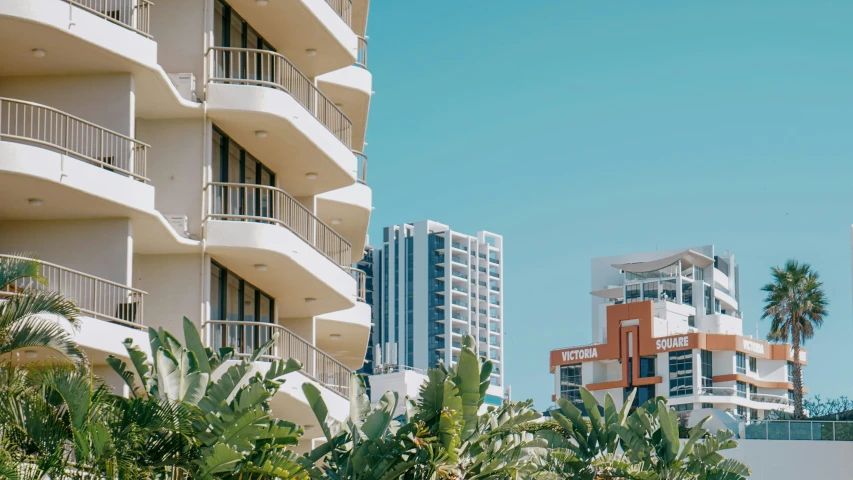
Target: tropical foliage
{"x":22,"y":321}
{"x":444,"y":434}
{"x":796,"y":305}
{"x":644,"y":444}
{"x":191,"y":412}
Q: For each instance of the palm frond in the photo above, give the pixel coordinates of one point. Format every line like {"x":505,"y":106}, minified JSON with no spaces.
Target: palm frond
{"x":32,"y":302}
{"x":19,"y":267}
{"x":36,"y":332}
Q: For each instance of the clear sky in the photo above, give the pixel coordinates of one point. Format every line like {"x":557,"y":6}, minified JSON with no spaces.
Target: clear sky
{"x":581,"y":128}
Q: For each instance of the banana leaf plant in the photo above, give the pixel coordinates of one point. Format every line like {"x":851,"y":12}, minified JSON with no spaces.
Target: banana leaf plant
{"x":447,"y":432}
{"x":235,"y":434}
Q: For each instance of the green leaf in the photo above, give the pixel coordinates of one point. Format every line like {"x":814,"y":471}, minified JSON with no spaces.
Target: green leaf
{"x":467,"y":381}
{"x":195,"y":345}
{"x":179,"y":377}
{"x":220,"y":458}
{"x":379,"y":419}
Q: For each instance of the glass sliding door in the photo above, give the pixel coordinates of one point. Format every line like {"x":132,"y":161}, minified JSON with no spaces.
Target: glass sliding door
{"x":242,"y":305}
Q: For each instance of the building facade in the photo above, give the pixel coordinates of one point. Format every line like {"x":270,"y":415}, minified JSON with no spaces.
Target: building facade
{"x":198,"y":158}
{"x":669,"y":324}
{"x":433,"y":286}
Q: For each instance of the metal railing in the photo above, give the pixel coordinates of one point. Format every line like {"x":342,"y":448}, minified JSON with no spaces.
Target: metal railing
{"x":361,"y":57}
{"x":838,"y":431}
{"x":733,"y":392}
{"x":360,"y":282}
{"x":27,"y":122}
{"x":132,"y":14}
{"x":245,"y":337}
{"x":394,"y":368}
{"x":265,"y":204}
{"x":249,"y":66}
{"x":95,"y":297}
{"x":343,"y":8}
{"x":362,"y":166}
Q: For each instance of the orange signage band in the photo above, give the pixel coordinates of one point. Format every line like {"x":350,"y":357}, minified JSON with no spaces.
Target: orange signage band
{"x":640,"y":314}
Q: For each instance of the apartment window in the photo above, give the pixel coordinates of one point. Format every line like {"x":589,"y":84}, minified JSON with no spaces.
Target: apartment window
{"x":741,"y":411}
{"x":680,"y":373}
{"x":753,"y":364}
{"x":707,"y":369}
{"x":698,"y":273}
{"x":687,"y":293}
{"x":570,"y":383}
{"x":235,"y":300}
{"x":644,"y":394}
{"x":790,"y":372}
{"x":231,"y":163}
{"x":753,"y":414}
{"x":647,"y":366}
{"x":230,"y":30}
{"x":707,"y":405}
{"x":709,"y":306}
{"x":632,"y":293}
{"x":790,"y":397}
{"x":493,"y":299}
{"x":650,"y":291}
{"x":753,"y":391}
{"x":741,"y":389}
{"x":740,"y":362}
{"x":684,"y":407}
{"x":668,"y":288}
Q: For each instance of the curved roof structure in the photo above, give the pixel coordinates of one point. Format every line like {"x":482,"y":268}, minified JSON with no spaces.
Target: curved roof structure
{"x":688,"y":258}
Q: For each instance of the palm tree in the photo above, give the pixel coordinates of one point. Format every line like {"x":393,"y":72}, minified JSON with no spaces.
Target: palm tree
{"x":796,"y":305}
{"x":27,"y":298}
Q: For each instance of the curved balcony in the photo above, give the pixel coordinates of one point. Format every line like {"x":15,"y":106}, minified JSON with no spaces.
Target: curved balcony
{"x":76,"y":168}
{"x":109,"y":312}
{"x":351,"y":88}
{"x":245,"y":337}
{"x":315,"y":34}
{"x":252,"y":91}
{"x":75,"y":34}
{"x":270,"y":239}
{"x":349,"y":209}
{"x":131,"y":14}
{"x":345,"y":334}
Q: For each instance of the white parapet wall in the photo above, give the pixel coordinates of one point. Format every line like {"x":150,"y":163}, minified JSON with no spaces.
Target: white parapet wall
{"x":795,"y":459}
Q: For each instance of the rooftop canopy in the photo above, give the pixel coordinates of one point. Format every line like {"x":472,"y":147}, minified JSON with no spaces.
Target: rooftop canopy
{"x":688,"y":258}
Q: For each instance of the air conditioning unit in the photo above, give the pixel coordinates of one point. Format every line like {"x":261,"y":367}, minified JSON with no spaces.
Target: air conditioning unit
{"x":179,"y":223}
{"x":185,"y":83}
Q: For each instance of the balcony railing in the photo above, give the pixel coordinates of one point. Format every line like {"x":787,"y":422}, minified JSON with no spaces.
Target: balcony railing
{"x":245,"y":337}
{"x":248,"y":66}
{"x":361,"y":57}
{"x":131,"y":14}
{"x":733,"y":392}
{"x":343,"y":8}
{"x":95,"y":297}
{"x":27,"y":122}
{"x":264,"y":204}
{"x":800,"y":430}
{"x":360,"y":282}
{"x":460,"y":275}
{"x":362,"y":166}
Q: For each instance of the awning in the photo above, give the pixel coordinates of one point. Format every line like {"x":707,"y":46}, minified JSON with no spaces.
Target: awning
{"x":609,"y":292}
{"x":688,"y":258}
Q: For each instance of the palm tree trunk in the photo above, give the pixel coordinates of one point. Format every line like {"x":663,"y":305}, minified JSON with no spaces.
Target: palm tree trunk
{"x":798,"y":379}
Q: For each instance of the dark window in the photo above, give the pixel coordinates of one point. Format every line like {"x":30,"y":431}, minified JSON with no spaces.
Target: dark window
{"x":238,"y":301}
{"x":753,"y":391}
{"x":740,"y":360}
{"x":647,"y":366}
{"x":570,"y":383}
{"x":680,"y":373}
{"x":709,"y":306}
{"x":687,"y":293}
{"x":669,"y":288}
{"x":741,"y":389}
{"x":632,"y":293}
{"x":644,"y":394}
{"x":790,"y":372}
{"x":707,"y":405}
{"x":741,"y":411}
{"x":650,"y":291}
{"x":707,"y":369}
{"x":684,"y":407}
{"x":753,"y":364}
{"x":233,"y":164}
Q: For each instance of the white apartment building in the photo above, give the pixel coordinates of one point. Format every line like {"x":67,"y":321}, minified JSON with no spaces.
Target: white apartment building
{"x":668,"y":323}
{"x":198,"y":158}
{"x":433,"y":285}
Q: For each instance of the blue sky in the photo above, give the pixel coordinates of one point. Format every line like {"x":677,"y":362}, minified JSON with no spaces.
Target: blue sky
{"x":579,"y":129}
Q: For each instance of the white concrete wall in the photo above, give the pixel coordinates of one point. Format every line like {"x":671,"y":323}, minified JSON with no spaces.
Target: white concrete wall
{"x":102,"y":248}
{"x":179,"y":27}
{"x":180,"y":151}
{"x":173,"y":283}
{"x":105,"y":100}
{"x":794,"y":460}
